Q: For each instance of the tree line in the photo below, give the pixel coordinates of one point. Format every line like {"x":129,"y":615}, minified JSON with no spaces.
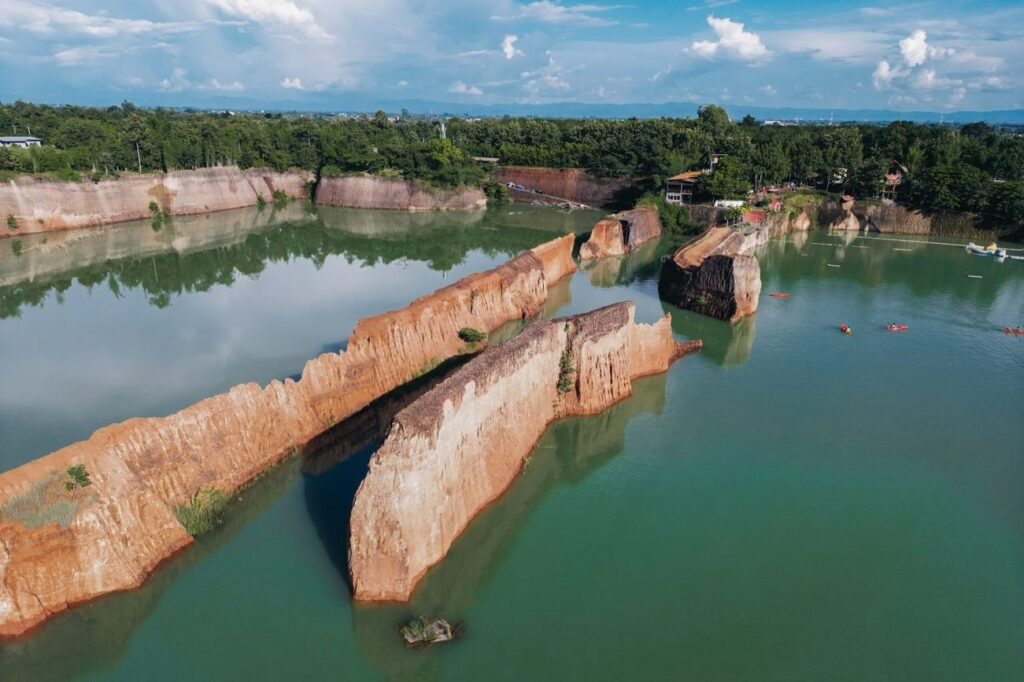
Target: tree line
{"x":975,"y":168}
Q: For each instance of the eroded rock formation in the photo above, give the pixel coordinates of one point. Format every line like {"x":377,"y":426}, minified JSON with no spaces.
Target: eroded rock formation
{"x":365,"y":191}
{"x":568,"y":183}
{"x":715,"y":275}
{"x":123,"y":524}
{"x":622,"y":233}
{"x":462,"y":444}
{"x":40,"y":205}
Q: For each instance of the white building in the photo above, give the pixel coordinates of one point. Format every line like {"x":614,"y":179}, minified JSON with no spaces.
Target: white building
{"x":23,"y":141}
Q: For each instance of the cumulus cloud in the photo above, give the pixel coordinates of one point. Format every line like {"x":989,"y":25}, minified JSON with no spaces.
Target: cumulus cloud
{"x":734,"y":41}
{"x":916,"y":50}
{"x":274,"y":12}
{"x":768,"y":90}
{"x":292,"y":83}
{"x":508,"y":46}
{"x":214,"y":84}
{"x":884,"y":75}
{"x":460,"y":88}
{"x":550,"y":13}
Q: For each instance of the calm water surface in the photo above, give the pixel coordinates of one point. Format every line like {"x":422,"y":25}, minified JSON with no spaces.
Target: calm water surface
{"x":791,"y":504}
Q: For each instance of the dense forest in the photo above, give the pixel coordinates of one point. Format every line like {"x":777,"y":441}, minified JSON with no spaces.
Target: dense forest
{"x":975,"y":168}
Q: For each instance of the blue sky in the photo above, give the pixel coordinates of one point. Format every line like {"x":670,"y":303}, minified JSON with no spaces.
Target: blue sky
{"x":938,"y":56}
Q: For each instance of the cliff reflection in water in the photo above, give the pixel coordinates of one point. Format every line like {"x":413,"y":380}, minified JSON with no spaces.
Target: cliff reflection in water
{"x":196,"y":253}
{"x":569,"y":452}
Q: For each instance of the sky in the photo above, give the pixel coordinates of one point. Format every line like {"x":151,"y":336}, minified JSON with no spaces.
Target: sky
{"x":931,"y":56}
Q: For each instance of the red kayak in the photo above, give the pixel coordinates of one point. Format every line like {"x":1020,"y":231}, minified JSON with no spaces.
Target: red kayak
{"x":845,"y":328}
{"x":897,"y":327}
{"x":779,"y":294}
{"x":1019,"y":331}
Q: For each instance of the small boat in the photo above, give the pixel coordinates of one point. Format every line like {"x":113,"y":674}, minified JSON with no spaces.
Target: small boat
{"x":990,"y":250}
{"x":1018,"y":331}
{"x":1017,"y":257}
{"x":845,"y":328}
{"x":779,"y":294}
{"x":897,"y":327}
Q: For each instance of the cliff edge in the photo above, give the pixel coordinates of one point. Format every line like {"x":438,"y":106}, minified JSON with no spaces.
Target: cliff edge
{"x":622,"y":233}
{"x":462,"y":444}
{"x":365,"y":191}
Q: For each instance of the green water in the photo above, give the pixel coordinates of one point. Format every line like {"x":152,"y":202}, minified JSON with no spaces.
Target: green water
{"x":791,"y":504}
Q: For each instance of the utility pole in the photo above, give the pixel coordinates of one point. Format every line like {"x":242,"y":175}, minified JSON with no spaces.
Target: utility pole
{"x":138,"y":155}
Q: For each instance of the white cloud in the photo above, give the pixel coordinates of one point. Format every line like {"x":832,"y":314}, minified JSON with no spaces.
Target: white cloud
{"x":548,"y":12}
{"x":272,"y":12}
{"x":508,"y":46}
{"x":929,"y":80}
{"x":733,"y":41}
{"x":214,"y":84}
{"x":768,"y":90}
{"x":916,"y":50}
{"x":460,"y":88}
{"x":884,"y":75}
{"x":38,"y":18}
{"x":176,"y":82}
{"x":292,"y":83}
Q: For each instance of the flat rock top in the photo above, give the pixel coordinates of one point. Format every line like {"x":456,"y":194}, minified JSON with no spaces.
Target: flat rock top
{"x":692,"y":255}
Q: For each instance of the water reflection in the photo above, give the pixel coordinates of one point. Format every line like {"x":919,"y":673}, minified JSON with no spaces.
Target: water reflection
{"x":725,"y":345}
{"x":193,"y":254}
{"x":569,"y":452}
{"x":642,"y":264}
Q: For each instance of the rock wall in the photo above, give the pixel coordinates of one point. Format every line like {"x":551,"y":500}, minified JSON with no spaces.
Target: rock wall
{"x":569,"y":183}
{"x":463,"y":443}
{"x":364,"y":191}
{"x":895,"y":219}
{"x":622,"y":234}
{"x":40,"y":205}
{"x":123,"y":524}
{"x":714,"y":275}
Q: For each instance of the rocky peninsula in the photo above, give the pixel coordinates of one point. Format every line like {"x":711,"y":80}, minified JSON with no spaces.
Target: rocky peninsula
{"x":63,"y":546}
{"x":463,"y":443}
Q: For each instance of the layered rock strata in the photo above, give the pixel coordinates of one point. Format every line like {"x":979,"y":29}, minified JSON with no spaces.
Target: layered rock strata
{"x":622,"y":233}
{"x":462,"y":444}
{"x":123,"y":524}
{"x":364,"y":191}
{"x":39,"y":205}
{"x":715,"y":275}
{"x":568,"y":183}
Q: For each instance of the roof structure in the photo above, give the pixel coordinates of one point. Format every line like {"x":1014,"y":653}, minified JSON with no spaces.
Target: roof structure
{"x":11,"y":139}
{"x":688,"y":176}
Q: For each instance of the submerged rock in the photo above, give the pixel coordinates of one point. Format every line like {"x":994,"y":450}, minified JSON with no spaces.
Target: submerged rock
{"x":422,"y":631}
{"x":463,"y":443}
{"x":622,"y":233}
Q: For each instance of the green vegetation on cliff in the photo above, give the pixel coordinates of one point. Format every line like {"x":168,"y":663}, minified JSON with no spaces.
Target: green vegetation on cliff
{"x":975,"y":168}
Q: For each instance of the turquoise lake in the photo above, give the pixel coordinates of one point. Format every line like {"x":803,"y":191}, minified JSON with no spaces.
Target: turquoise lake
{"x":790,"y":504}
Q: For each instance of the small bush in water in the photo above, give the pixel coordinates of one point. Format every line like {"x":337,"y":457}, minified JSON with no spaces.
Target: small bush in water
{"x":202,"y":514}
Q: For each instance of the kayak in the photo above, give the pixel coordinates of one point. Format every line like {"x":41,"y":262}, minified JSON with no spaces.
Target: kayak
{"x":779,"y":294}
{"x":1019,"y":331}
{"x":897,"y":327}
{"x":983,"y":251}
{"x":845,"y":328}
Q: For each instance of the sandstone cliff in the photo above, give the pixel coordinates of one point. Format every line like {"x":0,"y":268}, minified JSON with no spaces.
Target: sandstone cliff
{"x":40,"y":205}
{"x":715,"y":275}
{"x":622,"y":233}
{"x":569,"y":183}
{"x":123,"y":525}
{"x":462,"y":444}
{"x":364,"y":191}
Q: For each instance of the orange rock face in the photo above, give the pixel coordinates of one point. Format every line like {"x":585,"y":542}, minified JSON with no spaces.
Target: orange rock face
{"x":364,"y":191}
{"x":715,"y":275}
{"x":123,"y":524}
{"x":569,"y":183}
{"x":462,"y":443}
{"x":41,"y":205}
{"x":622,"y":234}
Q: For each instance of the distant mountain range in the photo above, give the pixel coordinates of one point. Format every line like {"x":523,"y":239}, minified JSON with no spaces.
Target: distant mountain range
{"x":359,"y":102}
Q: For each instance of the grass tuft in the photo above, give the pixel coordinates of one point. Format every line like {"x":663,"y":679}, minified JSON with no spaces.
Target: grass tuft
{"x":203,"y":513}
